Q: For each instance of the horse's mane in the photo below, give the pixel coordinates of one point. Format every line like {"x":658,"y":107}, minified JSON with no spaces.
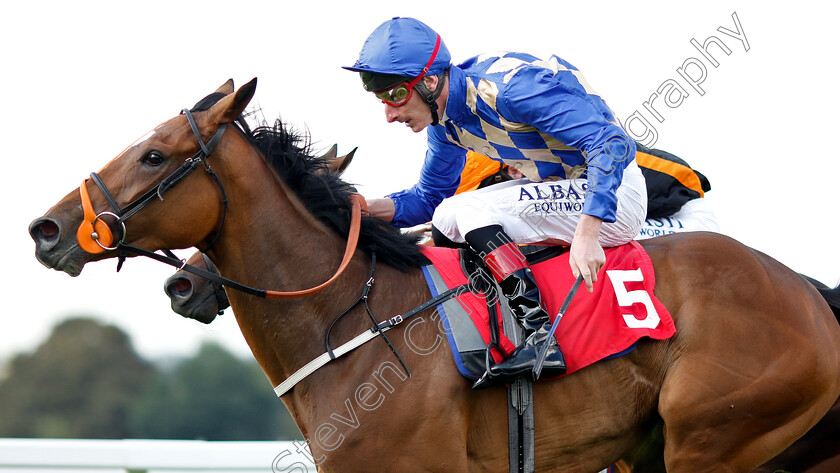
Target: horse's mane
{"x":322,"y":191}
{"x":328,"y":197}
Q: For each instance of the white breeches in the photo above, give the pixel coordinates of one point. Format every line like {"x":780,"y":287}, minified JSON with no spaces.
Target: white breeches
{"x":535,"y":212}
{"x":696,"y":215}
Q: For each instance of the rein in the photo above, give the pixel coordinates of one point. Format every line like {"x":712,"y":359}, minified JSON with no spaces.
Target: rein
{"x":181,"y":264}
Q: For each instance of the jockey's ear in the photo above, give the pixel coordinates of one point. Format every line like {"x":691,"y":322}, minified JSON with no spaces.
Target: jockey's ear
{"x":231,"y":106}
{"x":431,"y":82}
{"x":226,"y":88}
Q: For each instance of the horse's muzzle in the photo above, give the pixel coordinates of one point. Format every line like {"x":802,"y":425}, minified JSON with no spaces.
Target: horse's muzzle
{"x":53,"y":249}
{"x":178,"y":288}
{"x":192,"y":297}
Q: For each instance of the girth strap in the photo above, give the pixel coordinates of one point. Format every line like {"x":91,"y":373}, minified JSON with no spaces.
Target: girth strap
{"x":520,"y":407}
{"x":521,"y":425}
{"x":363,"y":338}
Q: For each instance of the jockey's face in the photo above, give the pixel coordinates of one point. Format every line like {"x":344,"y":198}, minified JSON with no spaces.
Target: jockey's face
{"x":415,"y":113}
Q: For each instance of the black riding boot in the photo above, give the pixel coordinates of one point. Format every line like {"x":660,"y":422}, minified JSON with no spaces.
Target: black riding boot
{"x":510,"y":268}
{"x":524,"y":298}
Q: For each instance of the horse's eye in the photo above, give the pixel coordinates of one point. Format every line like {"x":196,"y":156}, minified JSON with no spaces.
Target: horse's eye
{"x":153,"y":158}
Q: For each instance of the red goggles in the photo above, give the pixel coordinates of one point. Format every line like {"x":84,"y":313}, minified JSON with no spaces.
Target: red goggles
{"x":398,"y":95}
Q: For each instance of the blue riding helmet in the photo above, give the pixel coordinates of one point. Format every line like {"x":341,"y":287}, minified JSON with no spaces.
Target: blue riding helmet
{"x":402,"y":47}
{"x":403,"y":50}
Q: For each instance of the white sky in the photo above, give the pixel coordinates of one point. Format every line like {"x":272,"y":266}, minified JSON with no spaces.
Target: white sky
{"x":81,"y":80}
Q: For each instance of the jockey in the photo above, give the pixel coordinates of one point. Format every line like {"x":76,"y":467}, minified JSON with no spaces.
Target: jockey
{"x":540,"y":116}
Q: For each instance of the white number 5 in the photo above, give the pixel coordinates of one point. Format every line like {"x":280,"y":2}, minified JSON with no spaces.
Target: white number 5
{"x":627,"y":298}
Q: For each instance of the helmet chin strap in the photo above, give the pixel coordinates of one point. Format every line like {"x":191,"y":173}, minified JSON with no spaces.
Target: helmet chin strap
{"x":430,"y":96}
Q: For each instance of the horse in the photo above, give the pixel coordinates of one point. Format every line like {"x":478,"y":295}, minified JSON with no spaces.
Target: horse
{"x":831,"y":295}
{"x":753,"y":365}
{"x":818,"y":451}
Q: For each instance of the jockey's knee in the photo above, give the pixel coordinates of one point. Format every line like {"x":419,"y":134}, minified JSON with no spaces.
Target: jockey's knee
{"x":444,"y":223}
{"x":444,"y":241}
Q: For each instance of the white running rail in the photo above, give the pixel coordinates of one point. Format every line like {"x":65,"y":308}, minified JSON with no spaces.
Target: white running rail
{"x":149,"y":456}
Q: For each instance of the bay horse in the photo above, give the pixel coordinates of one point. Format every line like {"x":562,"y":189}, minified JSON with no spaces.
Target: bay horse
{"x":753,"y":365}
{"x":818,"y":451}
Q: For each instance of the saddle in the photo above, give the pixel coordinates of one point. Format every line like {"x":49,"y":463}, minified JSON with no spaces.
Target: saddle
{"x":603,"y":324}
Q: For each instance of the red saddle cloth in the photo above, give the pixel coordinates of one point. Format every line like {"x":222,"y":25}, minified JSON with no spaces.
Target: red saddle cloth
{"x":621,"y":309}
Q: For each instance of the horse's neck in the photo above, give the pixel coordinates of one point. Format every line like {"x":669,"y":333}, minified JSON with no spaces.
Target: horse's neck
{"x":270,"y":241}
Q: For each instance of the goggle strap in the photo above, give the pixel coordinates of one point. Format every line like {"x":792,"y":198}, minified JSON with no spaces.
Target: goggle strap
{"x":422,"y":72}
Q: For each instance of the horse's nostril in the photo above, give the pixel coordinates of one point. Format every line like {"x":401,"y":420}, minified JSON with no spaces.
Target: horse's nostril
{"x":179,"y":286}
{"x":48,"y":229}
{"x":46,"y":233}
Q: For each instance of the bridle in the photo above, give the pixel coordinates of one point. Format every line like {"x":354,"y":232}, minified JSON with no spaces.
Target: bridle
{"x":222,"y":301}
{"x":95,"y":236}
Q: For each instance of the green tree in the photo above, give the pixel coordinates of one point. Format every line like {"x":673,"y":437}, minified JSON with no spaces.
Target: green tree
{"x":212,"y":396}
{"x":78,"y":384}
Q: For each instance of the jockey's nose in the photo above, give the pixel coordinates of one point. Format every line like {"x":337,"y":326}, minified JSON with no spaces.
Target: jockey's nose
{"x":391,"y":113}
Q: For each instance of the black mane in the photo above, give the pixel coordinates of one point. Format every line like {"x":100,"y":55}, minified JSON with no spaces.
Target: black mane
{"x":323,"y":192}
{"x":328,"y":197}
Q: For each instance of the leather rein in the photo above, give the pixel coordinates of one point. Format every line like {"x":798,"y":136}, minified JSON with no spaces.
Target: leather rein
{"x":95,"y":236}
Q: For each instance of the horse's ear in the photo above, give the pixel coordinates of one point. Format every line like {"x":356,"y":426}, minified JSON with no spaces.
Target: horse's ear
{"x":226,"y":88}
{"x":331,"y":153}
{"x":231,"y":106}
{"x":344,"y":161}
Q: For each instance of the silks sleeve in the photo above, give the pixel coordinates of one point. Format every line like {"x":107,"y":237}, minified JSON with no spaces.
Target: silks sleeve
{"x":559,"y":106}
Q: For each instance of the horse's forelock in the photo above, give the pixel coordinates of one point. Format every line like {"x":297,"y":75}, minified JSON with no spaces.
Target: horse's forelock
{"x":207,"y":102}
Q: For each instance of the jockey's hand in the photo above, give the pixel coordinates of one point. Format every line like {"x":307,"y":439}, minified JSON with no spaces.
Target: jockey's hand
{"x":382,"y":208}
{"x":586,"y":256}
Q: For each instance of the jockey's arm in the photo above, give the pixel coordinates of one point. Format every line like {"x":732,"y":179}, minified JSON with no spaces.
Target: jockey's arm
{"x":558,"y":107}
{"x":383,"y":208}
{"x":586,"y":257}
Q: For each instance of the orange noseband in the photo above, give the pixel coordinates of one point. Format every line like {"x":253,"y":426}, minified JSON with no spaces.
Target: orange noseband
{"x":94,"y":235}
